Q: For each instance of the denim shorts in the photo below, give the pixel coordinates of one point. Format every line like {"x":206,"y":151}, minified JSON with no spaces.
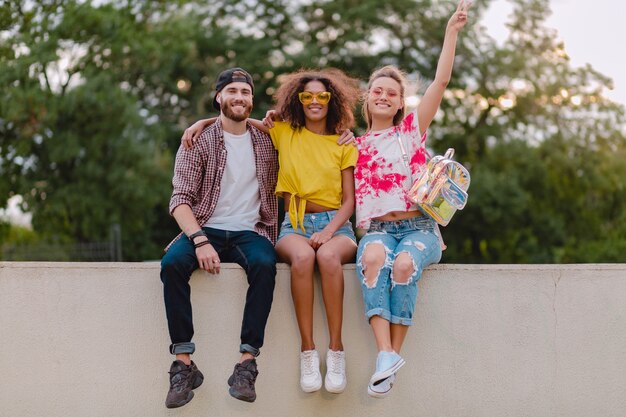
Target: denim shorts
{"x":385,"y":297}
{"x":316,"y":222}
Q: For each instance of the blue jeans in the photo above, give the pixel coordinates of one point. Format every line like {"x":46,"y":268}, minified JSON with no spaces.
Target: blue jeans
{"x":316,"y":222}
{"x":385,"y":297}
{"x":253,"y":252}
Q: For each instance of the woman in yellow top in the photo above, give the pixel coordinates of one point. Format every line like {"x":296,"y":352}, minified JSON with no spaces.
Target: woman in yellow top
{"x":316,"y":181}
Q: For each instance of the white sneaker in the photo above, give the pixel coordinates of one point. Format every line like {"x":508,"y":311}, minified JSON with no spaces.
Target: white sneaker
{"x":382,"y":389}
{"x":310,"y":376}
{"x":335,"y":380}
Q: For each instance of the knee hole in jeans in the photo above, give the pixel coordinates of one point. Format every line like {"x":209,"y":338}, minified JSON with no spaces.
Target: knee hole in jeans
{"x":372,"y":261}
{"x":403,"y":269}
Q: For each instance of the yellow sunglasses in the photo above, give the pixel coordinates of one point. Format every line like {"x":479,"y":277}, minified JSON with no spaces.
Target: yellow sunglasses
{"x":322,"y":97}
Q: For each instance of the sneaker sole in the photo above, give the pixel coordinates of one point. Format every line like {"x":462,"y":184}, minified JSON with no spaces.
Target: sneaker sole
{"x":382,"y":375}
{"x":314,"y":388}
{"x":181,"y":403}
{"x":241,"y":397}
{"x":335,"y":390}
{"x":377,"y":394}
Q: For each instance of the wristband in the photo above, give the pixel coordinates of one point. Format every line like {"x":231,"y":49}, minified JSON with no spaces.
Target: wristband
{"x":197,"y":234}
{"x":203,"y":243}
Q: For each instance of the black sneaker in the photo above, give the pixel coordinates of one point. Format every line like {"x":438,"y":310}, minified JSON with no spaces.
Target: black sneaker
{"x":183,"y":379}
{"x":242,"y":380}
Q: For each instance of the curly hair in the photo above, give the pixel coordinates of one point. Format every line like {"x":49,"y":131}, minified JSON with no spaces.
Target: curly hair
{"x":344,"y":97}
{"x":388,"y":71}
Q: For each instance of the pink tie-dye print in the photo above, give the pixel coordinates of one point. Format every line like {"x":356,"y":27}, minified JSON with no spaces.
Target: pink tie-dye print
{"x":381,"y":176}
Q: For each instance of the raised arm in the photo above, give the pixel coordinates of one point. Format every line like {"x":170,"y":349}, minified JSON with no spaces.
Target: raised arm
{"x":434,"y":93}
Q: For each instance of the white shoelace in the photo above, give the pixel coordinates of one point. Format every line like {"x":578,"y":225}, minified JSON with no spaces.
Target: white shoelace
{"x":336,"y":364}
{"x":309,"y":366}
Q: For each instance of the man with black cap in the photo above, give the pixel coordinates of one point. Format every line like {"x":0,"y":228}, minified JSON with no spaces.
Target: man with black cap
{"x":224,"y":202}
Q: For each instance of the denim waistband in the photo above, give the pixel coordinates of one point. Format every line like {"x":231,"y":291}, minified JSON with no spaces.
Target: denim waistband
{"x":413,"y":223}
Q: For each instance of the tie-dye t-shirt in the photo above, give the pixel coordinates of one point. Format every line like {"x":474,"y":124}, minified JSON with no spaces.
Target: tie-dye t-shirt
{"x":381,"y":177}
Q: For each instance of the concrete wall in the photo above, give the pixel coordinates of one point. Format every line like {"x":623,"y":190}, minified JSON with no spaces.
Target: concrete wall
{"x":90,"y":340}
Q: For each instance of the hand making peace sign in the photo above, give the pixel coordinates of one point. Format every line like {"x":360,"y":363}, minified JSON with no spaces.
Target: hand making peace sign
{"x":459,"y":18}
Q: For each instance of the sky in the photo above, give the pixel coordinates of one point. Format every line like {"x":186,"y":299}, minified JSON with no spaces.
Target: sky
{"x":593,"y":32}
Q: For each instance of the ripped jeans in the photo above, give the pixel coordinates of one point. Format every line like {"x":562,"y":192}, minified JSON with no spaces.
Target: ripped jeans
{"x":384,"y":296}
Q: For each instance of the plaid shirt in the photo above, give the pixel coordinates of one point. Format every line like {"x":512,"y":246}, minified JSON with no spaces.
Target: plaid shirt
{"x":198,"y":177}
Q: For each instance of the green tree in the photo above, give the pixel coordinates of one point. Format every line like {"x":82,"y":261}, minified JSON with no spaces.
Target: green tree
{"x":82,"y":151}
{"x":544,"y":146}
{"x":96,"y":98}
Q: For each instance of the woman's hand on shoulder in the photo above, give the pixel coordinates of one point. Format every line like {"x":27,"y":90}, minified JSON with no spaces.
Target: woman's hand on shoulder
{"x":268,"y":120}
{"x":346,"y":138}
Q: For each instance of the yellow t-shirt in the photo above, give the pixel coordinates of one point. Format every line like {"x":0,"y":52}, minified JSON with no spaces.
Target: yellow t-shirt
{"x":310,"y":168}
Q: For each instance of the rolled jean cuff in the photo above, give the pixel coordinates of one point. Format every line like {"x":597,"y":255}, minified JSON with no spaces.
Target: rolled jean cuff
{"x":385,"y":314}
{"x":405,"y":321}
{"x":245,"y":348}
{"x":184,"y":347}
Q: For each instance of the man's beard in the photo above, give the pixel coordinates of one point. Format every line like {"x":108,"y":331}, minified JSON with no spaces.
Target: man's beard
{"x":226,"y":109}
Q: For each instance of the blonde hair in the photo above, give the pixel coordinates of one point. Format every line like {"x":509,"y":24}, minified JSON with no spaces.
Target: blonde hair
{"x":388,"y":71}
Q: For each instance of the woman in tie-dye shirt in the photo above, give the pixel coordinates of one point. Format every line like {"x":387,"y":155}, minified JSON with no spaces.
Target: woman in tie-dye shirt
{"x":400,"y":241}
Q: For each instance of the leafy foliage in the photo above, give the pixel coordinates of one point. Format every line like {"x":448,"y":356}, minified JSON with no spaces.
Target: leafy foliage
{"x":95,"y":97}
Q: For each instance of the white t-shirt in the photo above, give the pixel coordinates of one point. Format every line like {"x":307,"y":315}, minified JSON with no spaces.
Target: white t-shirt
{"x":381,"y":177}
{"x":238,"y":207}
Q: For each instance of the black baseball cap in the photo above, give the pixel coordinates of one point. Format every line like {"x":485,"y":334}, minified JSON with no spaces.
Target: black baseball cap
{"x":231,"y":75}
